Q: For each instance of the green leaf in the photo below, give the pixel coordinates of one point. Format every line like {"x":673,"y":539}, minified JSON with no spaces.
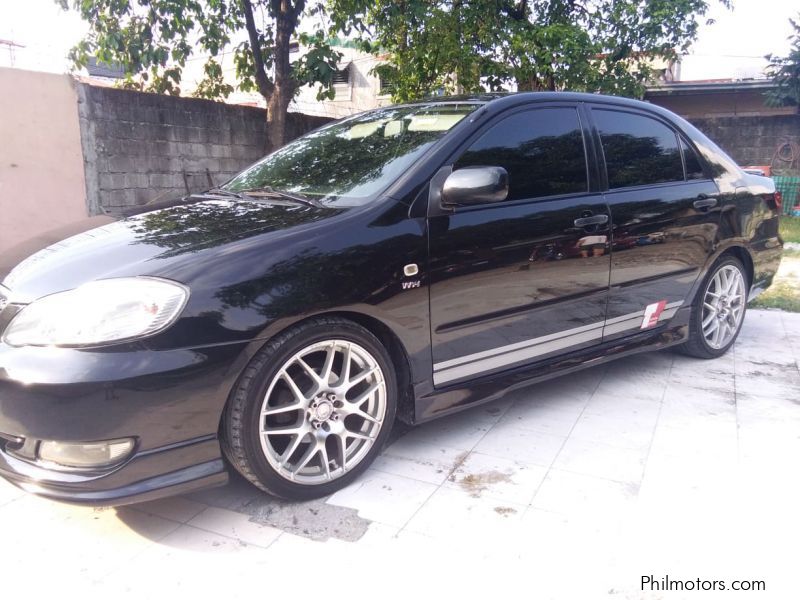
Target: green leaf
{"x":473,"y":45}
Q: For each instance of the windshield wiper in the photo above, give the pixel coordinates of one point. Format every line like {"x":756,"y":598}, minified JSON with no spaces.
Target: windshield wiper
{"x":260,"y":192}
{"x":224,"y":192}
{"x":267,"y":191}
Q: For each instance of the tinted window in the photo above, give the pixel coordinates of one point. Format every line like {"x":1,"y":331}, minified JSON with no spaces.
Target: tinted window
{"x":638,"y":150}
{"x":693,"y":168}
{"x":542,"y":150}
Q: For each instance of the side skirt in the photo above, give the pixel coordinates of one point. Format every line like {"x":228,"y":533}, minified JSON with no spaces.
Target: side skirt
{"x":493,"y":387}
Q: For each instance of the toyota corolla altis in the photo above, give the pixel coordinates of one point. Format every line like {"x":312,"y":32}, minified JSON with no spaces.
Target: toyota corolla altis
{"x":407,"y":263}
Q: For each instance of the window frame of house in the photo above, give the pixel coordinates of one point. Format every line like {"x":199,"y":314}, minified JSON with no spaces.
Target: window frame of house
{"x":343,"y":90}
{"x":384,"y":88}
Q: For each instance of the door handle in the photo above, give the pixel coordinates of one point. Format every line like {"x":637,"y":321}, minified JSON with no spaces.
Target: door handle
{"x":705,"y":202}
{"x":593,"y":220}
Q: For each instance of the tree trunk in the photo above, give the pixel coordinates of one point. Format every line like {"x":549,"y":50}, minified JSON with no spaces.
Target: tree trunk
{"x":283,"y":91}
{"x":277,"y":93}
{"x":526,"y":82}
{"x":277,"y":105}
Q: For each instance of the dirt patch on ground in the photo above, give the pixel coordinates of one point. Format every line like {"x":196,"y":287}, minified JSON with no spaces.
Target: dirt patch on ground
{"x":475,"y":483}
{"x":504,"y":510}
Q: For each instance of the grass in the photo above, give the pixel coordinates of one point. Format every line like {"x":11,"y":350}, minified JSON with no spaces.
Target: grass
{"x":784,"y":293}
{"x":790,"y":229}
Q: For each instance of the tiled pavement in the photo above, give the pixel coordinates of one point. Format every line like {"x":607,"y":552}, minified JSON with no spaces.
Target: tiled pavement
{"x":655,"y":464}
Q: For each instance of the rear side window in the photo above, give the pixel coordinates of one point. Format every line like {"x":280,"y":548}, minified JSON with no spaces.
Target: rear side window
{"x":693,"y":168}
{"x":638,"y":150}
{"x":542,"y":150}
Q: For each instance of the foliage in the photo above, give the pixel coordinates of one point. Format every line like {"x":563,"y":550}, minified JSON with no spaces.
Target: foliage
{"x":475,"y":45}
{"x":152,"y":40}
{"x":785,"y":72}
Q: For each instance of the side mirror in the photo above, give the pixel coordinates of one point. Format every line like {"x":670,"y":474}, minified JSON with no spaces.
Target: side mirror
{"x":475,"y":185}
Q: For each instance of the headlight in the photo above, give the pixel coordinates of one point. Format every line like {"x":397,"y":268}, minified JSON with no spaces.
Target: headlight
{"x":99,"y":312}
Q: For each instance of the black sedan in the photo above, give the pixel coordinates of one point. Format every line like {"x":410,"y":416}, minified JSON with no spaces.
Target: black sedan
{"x":404,"y":263}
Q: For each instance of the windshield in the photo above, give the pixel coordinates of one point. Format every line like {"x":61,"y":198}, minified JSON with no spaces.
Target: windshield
{"x":350,"y":162}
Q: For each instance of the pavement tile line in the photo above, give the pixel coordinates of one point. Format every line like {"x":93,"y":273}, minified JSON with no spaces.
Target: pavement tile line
{"x":467,"y":453}
{"x":456,"y":465}
{"x":567,"y":437}
{"x":658,"y":418}
{"x":795,"y":348}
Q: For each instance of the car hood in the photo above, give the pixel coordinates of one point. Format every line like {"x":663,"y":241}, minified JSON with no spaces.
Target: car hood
{"x":143,"y":243}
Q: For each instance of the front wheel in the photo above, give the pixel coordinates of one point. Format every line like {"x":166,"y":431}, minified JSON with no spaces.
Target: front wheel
{"x":718,"y":310}
{"x":312,"y":409}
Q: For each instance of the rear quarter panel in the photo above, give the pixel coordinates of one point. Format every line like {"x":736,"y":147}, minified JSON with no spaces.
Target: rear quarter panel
{"x":750,"y":215}
{"x":750,"y":218}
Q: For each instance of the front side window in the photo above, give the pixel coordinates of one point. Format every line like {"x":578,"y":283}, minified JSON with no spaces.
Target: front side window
{"x":638,"y":150}
{"x":542,"y":150}
{"x":351,"y":162}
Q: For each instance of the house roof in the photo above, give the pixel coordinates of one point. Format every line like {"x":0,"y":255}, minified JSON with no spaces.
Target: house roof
{"x":709,"y":86}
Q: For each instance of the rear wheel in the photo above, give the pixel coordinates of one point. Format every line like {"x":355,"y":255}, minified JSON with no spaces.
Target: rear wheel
{"x":718,"y":310}
{"x":312,"y":410}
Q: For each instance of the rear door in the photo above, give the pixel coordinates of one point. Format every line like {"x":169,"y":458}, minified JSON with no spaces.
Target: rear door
{"x":665,"y":216}
{"x":519,"y":281}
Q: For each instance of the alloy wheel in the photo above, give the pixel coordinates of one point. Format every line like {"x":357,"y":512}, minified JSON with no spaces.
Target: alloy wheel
{"x":723,"y":306}
{"x":322,"y":412}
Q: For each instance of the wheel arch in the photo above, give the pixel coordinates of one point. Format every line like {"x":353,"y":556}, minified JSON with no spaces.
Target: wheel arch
{"x":382,"y":331}
{"x":743,"y":255}
{"x":398,"y":354}
{"x":737,"y":250}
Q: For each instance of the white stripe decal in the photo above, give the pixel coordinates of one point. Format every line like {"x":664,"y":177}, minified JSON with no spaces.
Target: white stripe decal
{"x":516,"y":346}
{"x":487,"y":360}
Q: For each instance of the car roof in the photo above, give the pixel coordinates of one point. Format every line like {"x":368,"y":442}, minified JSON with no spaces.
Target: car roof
{"x":502,"y":100}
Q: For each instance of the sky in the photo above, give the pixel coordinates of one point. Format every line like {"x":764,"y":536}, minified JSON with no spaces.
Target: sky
{"x":732,"y":47}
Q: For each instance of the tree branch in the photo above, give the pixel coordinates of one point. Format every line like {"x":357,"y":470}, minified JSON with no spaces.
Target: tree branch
{"x":265,"y":86}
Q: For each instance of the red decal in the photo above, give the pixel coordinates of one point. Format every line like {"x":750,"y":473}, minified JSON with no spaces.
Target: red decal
{"x":652,"y":312}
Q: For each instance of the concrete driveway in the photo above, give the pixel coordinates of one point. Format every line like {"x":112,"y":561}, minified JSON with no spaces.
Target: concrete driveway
{"x":657,"y":465}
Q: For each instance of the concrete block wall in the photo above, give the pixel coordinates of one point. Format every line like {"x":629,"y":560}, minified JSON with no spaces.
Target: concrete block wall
{"x":752,"y":140}
{"x":140,"y":147}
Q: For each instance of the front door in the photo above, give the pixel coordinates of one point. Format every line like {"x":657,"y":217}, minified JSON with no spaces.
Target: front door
{"x":523,"y":280}
{"x":665,"y":217}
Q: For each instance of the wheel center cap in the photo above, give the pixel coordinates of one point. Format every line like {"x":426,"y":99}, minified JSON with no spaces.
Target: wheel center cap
{"x":322,"y":411}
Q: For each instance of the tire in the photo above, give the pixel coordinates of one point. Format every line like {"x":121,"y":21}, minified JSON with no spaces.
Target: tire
{"x":701,"y":343}
{"x":297,"y":434}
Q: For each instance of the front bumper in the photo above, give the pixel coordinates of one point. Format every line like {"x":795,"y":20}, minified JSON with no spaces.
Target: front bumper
{"x":170,"y":401}
{"x":166,"y":472}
